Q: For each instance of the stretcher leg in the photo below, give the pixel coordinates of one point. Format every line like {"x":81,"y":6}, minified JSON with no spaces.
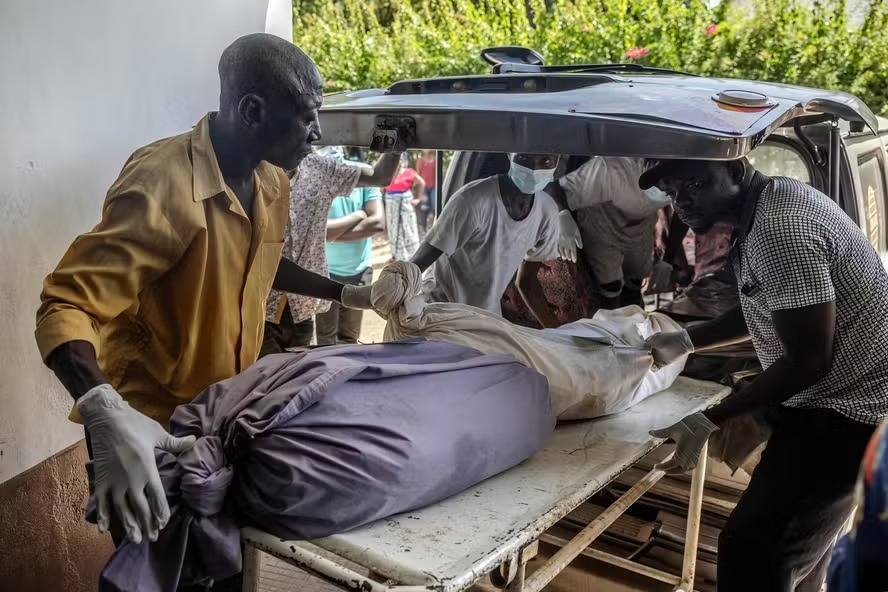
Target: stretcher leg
{"x":546,"y":573}
{"x":506,"y":572}
{"x":692,"y":531}
{"x":511,"y":574}
{"x":251,"y":569}
{"x":517,"y":585}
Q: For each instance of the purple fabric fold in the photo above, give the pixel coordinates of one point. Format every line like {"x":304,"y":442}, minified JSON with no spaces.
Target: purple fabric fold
{"x":308,"y":445}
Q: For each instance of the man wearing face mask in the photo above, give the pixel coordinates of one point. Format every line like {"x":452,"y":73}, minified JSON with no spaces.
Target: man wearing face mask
{"x":814,"y":298}
{"x":492,"y":228}
{"x":616,"y":221}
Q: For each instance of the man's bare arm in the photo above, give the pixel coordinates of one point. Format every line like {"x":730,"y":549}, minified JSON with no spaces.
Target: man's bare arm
{"x":418,"y":190}
{"x":807,"y":335}
{"x":556,"y":191}
{"x":372,"y":224}
{"x":336,"y":227}
{"x":76,"y":367}
{"x":381,"y":173}
{"x":721,"y":331}
{"x":425,"y":256}
{"x":297,"y":280}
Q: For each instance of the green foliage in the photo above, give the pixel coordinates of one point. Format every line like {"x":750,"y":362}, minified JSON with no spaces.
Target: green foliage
{"x":372,"y":43}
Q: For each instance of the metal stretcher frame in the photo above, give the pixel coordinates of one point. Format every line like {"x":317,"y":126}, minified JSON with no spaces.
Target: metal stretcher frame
{"x":496,"y":526}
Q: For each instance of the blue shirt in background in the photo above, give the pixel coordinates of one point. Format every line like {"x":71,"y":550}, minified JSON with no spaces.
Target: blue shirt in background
{"x":348,"y":259}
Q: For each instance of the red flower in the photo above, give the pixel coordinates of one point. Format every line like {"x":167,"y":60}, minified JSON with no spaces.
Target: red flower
{"x":711,"y":30}
{"x":636,"y":53}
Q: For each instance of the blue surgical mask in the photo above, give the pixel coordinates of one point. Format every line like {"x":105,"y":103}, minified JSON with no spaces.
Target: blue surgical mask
{"x":530,"y":180}
{"x":656,"y":196}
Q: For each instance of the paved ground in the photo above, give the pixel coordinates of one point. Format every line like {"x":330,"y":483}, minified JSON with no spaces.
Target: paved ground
{"x":373,"y":326}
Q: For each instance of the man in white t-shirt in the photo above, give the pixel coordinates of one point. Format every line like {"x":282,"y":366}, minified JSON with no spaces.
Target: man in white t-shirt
{"x":492,"y":228}
{"x":617,"y":221}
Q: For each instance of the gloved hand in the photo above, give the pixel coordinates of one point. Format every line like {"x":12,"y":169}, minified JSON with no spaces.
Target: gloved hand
{"x":669,"y":346}
{"x":569,"y":239}
{"x":123,"y":442}
{"x":689,"y":435}
{"x":356,"y":297}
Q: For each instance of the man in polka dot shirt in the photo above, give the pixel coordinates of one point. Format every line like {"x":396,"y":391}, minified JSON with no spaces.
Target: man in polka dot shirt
{"x":814,"y":298}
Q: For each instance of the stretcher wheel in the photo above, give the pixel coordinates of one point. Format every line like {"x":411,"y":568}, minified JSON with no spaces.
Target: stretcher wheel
{"x":503,"y":575}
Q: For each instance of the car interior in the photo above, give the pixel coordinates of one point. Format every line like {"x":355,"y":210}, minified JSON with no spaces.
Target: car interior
{"x":795,"y":151}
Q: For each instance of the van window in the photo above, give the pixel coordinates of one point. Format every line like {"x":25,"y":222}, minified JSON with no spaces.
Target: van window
{"x":780,"y":160}
{"x":872,"y":187}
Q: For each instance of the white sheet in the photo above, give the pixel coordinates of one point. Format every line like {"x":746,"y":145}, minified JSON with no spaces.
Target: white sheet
{"x":595,"y":366}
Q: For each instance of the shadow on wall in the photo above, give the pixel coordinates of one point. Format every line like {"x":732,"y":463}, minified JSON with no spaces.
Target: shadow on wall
{"x":46,"y":543}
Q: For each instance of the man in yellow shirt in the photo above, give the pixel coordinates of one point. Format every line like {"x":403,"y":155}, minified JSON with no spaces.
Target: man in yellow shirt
{"x":166,"y":295}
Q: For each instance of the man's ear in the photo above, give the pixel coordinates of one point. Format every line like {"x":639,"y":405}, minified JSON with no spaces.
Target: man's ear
{"x":252,"y":110}
{"x":737,"y":170}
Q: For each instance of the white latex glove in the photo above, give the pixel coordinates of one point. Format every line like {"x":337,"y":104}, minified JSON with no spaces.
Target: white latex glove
{"x":669,"y":346}
{"x":689,"y":435}
{"x":569,"y":239}
{"x":123,"y":442}
{"x":356,"y":297}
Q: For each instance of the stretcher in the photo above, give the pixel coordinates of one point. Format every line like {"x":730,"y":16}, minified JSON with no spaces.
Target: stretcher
{"x":494,"y":527}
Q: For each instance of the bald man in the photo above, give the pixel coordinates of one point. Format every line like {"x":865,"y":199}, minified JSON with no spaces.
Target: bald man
{"x":166,"y":295}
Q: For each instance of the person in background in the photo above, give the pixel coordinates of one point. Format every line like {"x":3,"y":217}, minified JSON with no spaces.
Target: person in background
{"x":402,"y":197}
{"x":427,"y":167}
{"x":711,"y":249}
{"x":492,"y":228}
{"x":322,"y":176}
{"x":814,"y":298}
{"x":352,"y":222}
{"x":617,"y":222}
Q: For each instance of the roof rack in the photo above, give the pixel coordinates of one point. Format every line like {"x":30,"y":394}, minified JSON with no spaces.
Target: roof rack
{"x":514,"y":59}
{"x":507,"y":68}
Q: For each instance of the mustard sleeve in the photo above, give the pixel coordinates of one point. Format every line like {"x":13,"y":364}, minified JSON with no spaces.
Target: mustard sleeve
{"x":104,"y":270}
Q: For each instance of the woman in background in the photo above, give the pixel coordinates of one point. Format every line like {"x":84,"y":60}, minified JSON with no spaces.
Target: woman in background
{"x":401,"y":199}
{"x":427,"y":167}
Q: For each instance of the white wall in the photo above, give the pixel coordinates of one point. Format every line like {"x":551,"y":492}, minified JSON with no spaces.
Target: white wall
{"x":83,"y":84}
